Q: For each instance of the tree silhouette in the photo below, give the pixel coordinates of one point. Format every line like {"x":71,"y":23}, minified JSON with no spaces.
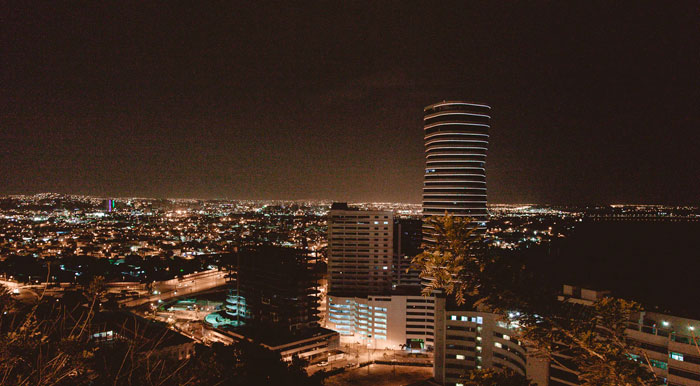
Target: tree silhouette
{"x":593,"y":335}
{"x":491,"y":377}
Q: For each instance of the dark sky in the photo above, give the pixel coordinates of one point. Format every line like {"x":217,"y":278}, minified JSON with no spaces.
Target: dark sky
{"x":593,"y":101}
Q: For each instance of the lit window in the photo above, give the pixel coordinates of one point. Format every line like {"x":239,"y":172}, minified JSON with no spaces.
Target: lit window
{"x":498,"y":345}
{"x":453,"y":317}
{"x":676,"y":355}
{"x":479,"y":320}
{"x":464,"y":318}
{"x":506,"y":337}
{"x":460,"y":356}
{"x":659,"y":364}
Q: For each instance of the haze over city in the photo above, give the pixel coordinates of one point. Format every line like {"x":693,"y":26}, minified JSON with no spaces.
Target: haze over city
{"x":592,"y":102}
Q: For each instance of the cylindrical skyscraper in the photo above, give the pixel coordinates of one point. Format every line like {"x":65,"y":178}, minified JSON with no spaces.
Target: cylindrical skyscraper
{"x":456,"y":141}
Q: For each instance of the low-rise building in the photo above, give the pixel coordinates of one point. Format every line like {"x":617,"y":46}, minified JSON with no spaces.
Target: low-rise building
{"x":392,"y":321}
{"x":312,"y":345}
{"x":669,"y":343}
{"x":148,"y":337}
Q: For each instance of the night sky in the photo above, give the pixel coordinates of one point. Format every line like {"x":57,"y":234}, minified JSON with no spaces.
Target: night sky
{"x":592,"y":102}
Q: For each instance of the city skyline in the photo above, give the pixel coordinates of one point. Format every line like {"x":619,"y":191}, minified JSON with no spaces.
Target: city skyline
{"x":350,"y":193}
{"x":305,"y":103}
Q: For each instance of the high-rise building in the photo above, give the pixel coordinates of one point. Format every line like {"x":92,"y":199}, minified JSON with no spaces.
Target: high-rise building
{"x":370,"y":299}
{"x":456,"y":142}
{"x":273,"y":287}
{"x":273,"y":302}
{"x":408,"y":237}
{"x":360,"y":251}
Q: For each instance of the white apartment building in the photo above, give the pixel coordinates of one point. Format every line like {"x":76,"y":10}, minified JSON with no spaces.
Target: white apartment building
{"x":473,"y":340}
{"x":383,"y":321}
{"x":669,"y":342}
{"x":360,"y":251}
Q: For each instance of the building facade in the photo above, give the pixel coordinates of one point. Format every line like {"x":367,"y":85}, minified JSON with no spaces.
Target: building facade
{"x":273,"y":301}
{"x":467,"y":340}
{"x":669,"y":342}
{"x":274,"y":287}
{"x":360,"y":251}
{"x":393,"y":321}
{"x":456,"y":137}
{"x":371,"y":299}
{"x":408,"y":237}
{"x":456,"y":141}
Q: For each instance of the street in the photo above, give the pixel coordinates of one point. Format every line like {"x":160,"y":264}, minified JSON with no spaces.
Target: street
{"x":358,"y":353}
{"x":385,"y":375}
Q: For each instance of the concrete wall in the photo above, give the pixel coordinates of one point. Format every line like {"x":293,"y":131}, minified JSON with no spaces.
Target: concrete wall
{"x":380,"y":321}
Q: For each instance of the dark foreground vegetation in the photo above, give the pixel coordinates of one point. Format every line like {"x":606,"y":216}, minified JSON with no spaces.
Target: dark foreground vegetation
{"x":58,"y":342}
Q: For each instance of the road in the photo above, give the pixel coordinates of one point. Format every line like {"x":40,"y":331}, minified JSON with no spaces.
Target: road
{"x":188,"y":284}
{"x":162,"y":291}
{"x":357,"y":353}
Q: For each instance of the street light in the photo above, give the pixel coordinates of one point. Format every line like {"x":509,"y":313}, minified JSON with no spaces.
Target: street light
{"x":369,"y":361}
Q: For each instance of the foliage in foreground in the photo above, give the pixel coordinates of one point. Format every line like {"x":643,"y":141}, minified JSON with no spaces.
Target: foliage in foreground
{"x":491,"y":377}
{"x":451,"y":257}
{"x":49,"y":344}
{"x":593,"y":336}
